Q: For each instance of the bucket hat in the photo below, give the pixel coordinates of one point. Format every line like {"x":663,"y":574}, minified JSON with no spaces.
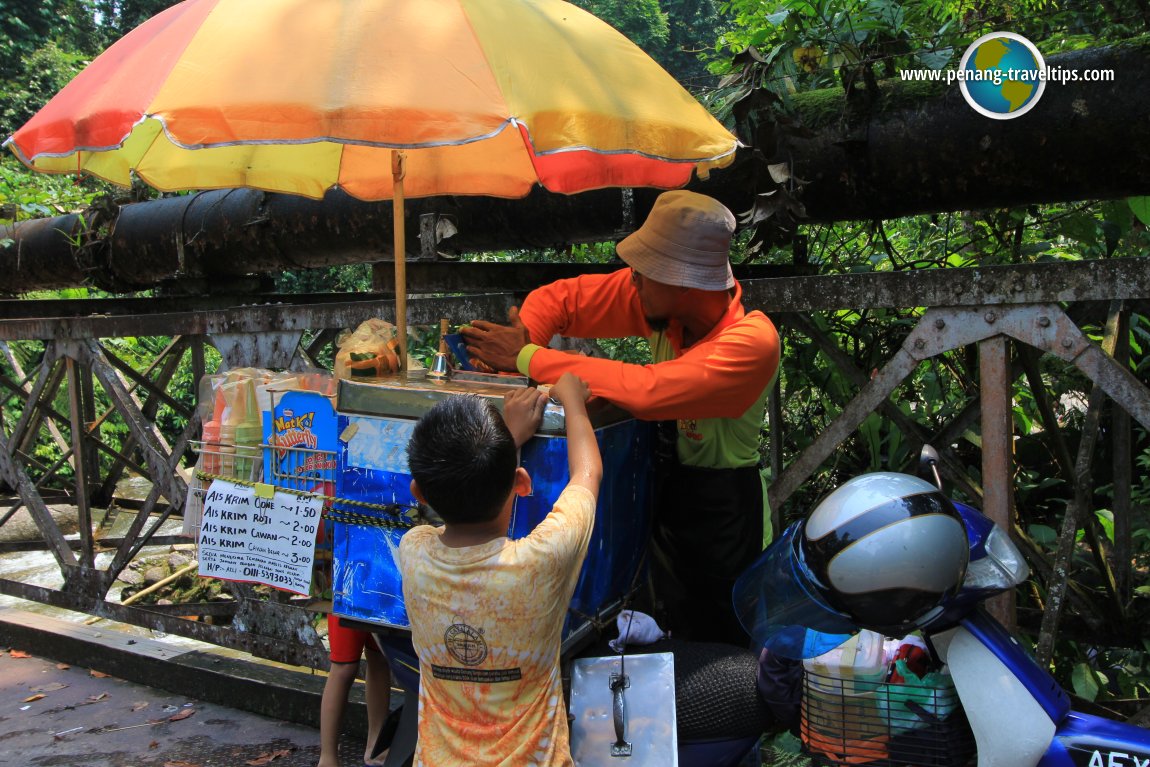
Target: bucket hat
{"x":685,"y":241}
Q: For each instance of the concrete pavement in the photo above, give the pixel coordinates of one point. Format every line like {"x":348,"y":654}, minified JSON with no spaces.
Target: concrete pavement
{"x":72,"y":695}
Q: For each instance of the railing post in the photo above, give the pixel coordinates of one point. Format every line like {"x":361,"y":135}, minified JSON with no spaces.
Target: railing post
{"x":994,"y":388}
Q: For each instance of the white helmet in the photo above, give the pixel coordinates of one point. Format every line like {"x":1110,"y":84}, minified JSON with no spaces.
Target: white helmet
{"x":886,"y":549}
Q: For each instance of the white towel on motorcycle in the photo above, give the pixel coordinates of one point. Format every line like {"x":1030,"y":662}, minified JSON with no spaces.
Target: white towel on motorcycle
{"x":636,"y":628}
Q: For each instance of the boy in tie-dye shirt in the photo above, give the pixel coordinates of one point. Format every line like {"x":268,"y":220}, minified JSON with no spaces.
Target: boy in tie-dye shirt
{"x":486,"y":612}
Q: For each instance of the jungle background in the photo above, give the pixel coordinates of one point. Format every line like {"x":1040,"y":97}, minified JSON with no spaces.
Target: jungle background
{"x":744,"y":59}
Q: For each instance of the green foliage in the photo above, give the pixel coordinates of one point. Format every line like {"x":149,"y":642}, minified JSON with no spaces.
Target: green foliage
{"x":349,"y":278}
{"x":26,"y":194}
{"x":1140,"y":206}
{"x":580,"y":253}
{"x":423,"y":343}
{"x":806,"y":44}
{"x":118,"y":17}
{"x":40,"y":76}
{"x":694,"y":24}
{"x":24,"y":26}
{"x":641,"y":21}
{"x":676,"y":33}
{"x":810,"y":44}
{"x":1087,"y":681}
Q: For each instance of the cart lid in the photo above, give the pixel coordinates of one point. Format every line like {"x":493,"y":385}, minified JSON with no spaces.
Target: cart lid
{"x":401,"y":397}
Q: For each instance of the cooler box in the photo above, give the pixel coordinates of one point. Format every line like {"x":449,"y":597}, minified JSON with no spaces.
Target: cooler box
{"x":374,"y":499}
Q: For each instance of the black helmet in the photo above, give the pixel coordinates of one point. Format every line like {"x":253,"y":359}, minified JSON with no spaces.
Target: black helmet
{"x":886,"y":549}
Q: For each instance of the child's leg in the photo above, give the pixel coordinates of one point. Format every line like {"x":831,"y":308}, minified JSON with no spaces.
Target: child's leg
{"x":346,"y":647}
{"x":378,"y":694}
{"x":331,"y":707}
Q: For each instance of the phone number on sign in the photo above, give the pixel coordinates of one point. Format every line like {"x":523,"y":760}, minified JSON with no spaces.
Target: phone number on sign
{"x":268,"y":576}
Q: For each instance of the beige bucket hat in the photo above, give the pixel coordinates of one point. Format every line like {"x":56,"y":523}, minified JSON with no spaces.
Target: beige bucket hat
{"x":685,"y":241}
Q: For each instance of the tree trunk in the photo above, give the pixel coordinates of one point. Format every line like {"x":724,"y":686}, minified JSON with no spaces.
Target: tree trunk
{"x":911,"y":149}
{"x":923,"y":149}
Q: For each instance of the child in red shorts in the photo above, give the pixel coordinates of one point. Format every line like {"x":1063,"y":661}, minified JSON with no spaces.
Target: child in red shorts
{"x":346,"y":647}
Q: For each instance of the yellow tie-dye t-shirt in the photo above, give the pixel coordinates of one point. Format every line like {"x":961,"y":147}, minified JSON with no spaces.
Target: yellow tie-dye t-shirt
{"x":486,"y":623}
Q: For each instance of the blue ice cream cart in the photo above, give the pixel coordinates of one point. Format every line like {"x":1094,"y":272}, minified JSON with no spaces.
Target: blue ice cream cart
{"x":374,"y":505}
{"x":352,"y":449}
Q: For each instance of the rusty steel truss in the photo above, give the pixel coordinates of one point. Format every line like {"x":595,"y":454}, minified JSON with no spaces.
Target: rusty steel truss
{"x":1011,"y":315}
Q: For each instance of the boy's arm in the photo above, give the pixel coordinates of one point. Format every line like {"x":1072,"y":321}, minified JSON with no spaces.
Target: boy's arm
{"x":583,"y":459}
{"x":522,"y":412}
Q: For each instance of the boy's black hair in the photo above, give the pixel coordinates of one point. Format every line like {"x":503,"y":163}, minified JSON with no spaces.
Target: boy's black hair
{"x":463,"y":458}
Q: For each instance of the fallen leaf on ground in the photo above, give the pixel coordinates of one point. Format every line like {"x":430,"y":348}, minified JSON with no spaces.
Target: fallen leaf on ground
{"x":181,"y":715}
{"x":19,"y":654}
{"x":139,"y":705}
{"x":98,"y":674}
{"x":95,"y":698}
{"x":154,"y":744}
{"x":270,"y":756}
{"x":31,"y":698}
{"x":63,"y":666}
{"x":180,"y":764}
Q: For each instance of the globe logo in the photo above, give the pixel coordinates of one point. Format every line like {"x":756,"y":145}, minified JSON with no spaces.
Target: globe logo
{"x":1002,"y":75}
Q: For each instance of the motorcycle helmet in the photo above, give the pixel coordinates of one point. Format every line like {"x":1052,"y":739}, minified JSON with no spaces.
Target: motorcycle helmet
{"x":886,"y":549}
{"x":881,"y":552}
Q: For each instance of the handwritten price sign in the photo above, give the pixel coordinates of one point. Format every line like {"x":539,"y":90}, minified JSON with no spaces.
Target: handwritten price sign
{"x":246,"y":536}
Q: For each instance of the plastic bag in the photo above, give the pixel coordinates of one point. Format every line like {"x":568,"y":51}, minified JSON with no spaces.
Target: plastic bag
{"x":372,"y":350}
{"x":917,"y":701}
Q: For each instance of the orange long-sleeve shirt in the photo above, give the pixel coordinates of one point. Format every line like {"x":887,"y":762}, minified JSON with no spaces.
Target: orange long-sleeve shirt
{"x":715,"y":388}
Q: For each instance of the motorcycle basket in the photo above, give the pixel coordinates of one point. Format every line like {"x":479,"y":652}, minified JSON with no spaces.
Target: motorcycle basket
{"x":852,"y":721}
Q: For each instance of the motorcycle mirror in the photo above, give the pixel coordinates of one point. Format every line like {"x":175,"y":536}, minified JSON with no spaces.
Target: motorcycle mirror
{"x":928,"y":465}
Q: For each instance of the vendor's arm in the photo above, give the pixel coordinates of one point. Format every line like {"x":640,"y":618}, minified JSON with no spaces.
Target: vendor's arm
{"x":719,"y":378}
{"x":589,"y":306}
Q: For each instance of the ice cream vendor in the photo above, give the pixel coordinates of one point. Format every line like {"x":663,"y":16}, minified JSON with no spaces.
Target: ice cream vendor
{"x":714,"y":363}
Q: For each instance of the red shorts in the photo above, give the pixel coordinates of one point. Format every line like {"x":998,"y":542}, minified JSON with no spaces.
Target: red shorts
{"x":347,"y":644}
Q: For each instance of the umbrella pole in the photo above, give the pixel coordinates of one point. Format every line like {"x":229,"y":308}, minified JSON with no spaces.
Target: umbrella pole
{"x":398,"y":170}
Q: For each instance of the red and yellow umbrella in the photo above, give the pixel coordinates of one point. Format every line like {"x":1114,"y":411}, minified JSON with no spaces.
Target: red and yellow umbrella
{"x":382,"y":98}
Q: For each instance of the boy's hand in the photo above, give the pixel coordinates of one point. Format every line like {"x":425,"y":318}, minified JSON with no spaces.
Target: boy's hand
{"x":571,"y":389}
{"x":523,"y":411}
{"x":583,"y":459}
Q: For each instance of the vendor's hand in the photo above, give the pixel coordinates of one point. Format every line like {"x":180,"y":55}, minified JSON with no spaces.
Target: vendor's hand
{"x":571,"y":390}
{"x":523,"y":411}
{"x":496,"y":345}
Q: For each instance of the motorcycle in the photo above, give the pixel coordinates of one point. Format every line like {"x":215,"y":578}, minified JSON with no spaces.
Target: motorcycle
{"x":891,"y":553}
